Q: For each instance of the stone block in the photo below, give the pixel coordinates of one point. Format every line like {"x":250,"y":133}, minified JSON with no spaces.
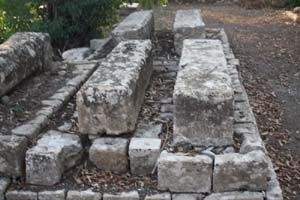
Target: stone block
{"x":133,"y":195}
{"x":12,"y":155}
{"x":188,"y":25}
{"x":187,"y":197}
{"x":21,"y":55}
{"x":52,"y":195}
{"x":4,"y":183}
{"x":110,"y":154}
{"x":148,"y":131}
{"x":143,"y":154}
{"x":234,"y":172}
{"x":83,"y":195}
{"x":77,"y":54}
{"x":183,"y":173}
{"x":53,"y":154}
{"x":21,"y":195}
{"x":203,"y":96}
{"x":101,"y":48}
{"x":236,"y":196}
{"x":160,"y":196}
{"x":137,"y":26}
{"x":110,"y":101}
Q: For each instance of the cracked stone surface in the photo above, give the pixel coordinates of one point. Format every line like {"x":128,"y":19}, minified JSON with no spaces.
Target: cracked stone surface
{"x":54,"y":153}
{"x":188,"y":25}
{"x":110,"y":101}
{"x":137,"y":26}
{"x":183,"y":173}
{"x":21,"y":55}
{"x":203,"y":96}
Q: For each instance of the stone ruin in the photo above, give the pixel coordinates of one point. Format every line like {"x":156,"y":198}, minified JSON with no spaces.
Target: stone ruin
{"x":214,"y":150}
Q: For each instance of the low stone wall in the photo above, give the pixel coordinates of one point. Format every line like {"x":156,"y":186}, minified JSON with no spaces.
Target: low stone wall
{"x":111,"y":99}
{"x":21,"y":55}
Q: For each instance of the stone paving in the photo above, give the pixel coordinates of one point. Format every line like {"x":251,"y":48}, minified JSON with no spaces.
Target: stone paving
{"x":146,"y":144}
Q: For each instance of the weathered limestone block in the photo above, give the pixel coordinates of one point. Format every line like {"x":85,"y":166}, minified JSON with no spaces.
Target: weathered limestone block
{"x":83,"y":195}
{"x":203,"y":96}
{"x":148,"y":131}
{"x":137,"y":26}
{"x":110,"y":154}
{"x":188,"y":25}
{"x":101,"y":48}
{"x":133,"y":195}
{"x":187,"y":197}
{"x":21,"y":55}
{"x":143,"y":154}
{"x":77,"y":54}
{"x":183,"y":173}
{"x":54,"y":153}
{"x":233,"y":172}
{"x":161,"y":196}
{"x":236,"y":196}
{"x":110,"y":100}
{"x":4,"y":183}
{"x":12,"y":155}
{"x":21,"y":195}
{"x":52,"y":195}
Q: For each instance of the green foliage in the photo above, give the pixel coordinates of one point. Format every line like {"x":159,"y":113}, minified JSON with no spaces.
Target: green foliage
{"x":294,"y":2}
{"x":69,"y":22}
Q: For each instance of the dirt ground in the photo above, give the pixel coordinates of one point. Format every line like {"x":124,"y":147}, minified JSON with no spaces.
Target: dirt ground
{"x":268,"y":46}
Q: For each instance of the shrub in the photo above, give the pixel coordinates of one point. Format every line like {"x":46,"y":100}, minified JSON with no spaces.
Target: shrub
{"x":69,"y":22}
{"x":294,"y":2}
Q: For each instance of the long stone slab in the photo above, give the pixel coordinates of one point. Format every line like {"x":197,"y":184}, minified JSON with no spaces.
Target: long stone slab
{"x":21,"y":55}
{"x":188,"y":25}
{"x":111,"y":99}
{"x":54,"y":153}
{"x":179,"y":172}
{"x":137,"y":26}
{"x":203,"y":96}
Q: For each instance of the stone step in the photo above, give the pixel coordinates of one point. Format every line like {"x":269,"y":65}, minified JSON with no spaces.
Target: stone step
{"x":137,"y":26}
{"x":110,"y":101}
{"x":53,"y":154}
{"x":203,"y":96}
{"x":188,"y":25}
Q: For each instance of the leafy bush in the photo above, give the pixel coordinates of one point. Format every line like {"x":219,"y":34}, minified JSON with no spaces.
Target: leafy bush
{"x":294,"y":2}
{"x":69,"y":22}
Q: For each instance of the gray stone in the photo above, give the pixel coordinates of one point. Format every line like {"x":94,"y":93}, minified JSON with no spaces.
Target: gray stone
{"x":83,"y":195}
{"x":52,"y":195}
{"x":188,"y":25}
{"x":143,"y":154}
{"x":133,"y":195}
{"x":96,"y":44}
{"x":28,"y":130}
{"x":21,"y":55}
{"x":183,"y":173}
{"x":5,"y":100}
{"x":54,"y":103}
{"x":229,"y":150}
{"x":110,"y":154}
{"x":4,"y":183}
{"x":236,"y":196}
{"x":101,"y":48}
{"x":203,"y":96}
{"x":148,"y":131}
{"x":53,"y":154}
{"x":273,"y":191}
{"x":65,"y":127}
{"x":187,"y":197}
{"x":161,"y":196}
{"x":77,"y":54}
{"x":167,"y":108}
{"x":233,"y":172}
{"x":137,"y":26}
{"x":21,"y":195}
{"x":12,"y":155}
{"x":111,"y":99}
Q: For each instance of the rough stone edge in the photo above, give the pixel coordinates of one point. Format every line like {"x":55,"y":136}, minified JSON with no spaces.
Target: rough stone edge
{"x":274,"y":191}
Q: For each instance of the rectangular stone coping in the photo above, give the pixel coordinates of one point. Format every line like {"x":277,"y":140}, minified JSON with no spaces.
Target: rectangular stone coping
{"x":118,"y":73}
{"x":133,"y":22}
{"x":188,"y":19}
{"x":203,"y":72}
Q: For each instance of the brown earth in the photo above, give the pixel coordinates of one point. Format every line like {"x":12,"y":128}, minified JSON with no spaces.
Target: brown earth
{"x":268,"y":46}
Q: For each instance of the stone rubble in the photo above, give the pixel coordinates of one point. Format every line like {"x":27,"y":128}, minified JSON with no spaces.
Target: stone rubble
{"x":54,"y":153}
{"x":110,"y":154}
{"x":188,"y":25}
{"x":110,"y":101}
